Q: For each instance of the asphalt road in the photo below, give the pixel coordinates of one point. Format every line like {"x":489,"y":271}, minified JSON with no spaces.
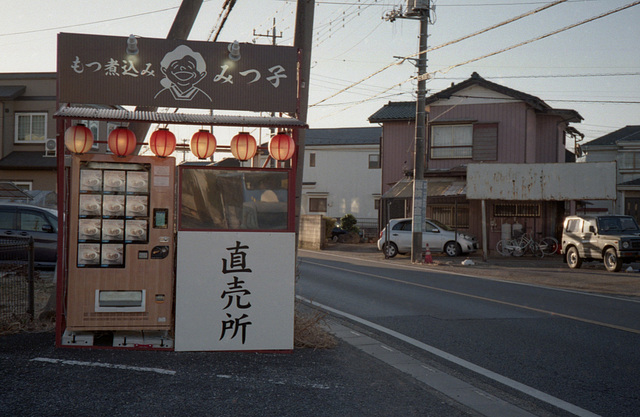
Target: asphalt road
{"x":39,"y":380}
{"x":578,"y":347}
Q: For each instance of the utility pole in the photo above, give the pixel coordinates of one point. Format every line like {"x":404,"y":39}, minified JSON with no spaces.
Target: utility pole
{"x":418,"y":9}
{"x":274,"y":38}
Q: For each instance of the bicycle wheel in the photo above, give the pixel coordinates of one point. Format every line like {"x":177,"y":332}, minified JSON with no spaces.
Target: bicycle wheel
{"x":503,"y":248}
{"x":536,"y":249}
{"x":549,"y":245}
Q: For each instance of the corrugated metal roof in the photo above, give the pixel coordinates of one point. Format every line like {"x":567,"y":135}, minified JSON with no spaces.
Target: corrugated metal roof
{"x":344,"y":136}
{"x":176,"y":118}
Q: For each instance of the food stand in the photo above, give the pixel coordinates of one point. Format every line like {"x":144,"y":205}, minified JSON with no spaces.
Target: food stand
{"x":159,"y":256}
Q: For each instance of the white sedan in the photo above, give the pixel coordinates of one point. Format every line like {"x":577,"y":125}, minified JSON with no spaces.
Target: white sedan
{"x":441,"y":238}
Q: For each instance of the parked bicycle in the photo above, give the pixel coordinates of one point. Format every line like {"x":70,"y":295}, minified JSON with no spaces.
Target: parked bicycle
{"x":549,"y":245}
{"x":519,"y":246}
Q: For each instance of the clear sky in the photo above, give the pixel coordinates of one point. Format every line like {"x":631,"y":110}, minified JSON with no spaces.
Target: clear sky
{"x":593,"y":68}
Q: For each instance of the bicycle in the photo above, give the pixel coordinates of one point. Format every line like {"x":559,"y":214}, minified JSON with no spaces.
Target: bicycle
{"x":549,"y":245}
{"x":518,"y":246}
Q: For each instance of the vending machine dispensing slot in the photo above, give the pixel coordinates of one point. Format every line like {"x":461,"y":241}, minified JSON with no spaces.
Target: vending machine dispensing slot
{"x":121,"y":243}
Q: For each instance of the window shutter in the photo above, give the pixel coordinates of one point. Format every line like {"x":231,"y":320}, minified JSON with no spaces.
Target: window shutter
{"x":485,"y":142}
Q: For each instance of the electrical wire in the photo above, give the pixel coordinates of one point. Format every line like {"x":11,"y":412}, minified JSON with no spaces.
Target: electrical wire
{"x":400,"y":61}
{"x":433,"y":73}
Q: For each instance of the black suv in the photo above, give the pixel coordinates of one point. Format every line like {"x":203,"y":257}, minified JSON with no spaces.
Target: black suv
{"x":612,"y":239}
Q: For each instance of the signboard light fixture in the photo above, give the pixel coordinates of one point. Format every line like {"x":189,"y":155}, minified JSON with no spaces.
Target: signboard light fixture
{"x":132,"y":45}
{"x":234,"y":51}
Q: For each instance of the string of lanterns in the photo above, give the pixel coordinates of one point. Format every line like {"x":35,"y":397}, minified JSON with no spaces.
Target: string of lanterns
{"x":122,"y":142}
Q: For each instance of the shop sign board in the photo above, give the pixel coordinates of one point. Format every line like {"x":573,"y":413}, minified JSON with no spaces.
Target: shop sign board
{"x":235,"y":291}
{"x":550,"y":182}
{"x":95,"y":69}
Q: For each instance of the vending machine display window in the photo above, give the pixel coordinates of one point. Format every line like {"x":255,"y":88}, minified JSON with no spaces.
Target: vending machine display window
{"x":113,"y":212}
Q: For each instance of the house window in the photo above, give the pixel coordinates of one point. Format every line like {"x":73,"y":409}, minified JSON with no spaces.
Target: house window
{"x":374,"y":161}
{"x":630,"y":160}
{"x":94,"y":127}
{"x":450,"y":215}
{"x":516,"y":210}
{"x":31,"y":127}
{"x":312,"y":159}
{"x":23,"y":185}
{"x":451,"y":141}
{"x":317,"y":204}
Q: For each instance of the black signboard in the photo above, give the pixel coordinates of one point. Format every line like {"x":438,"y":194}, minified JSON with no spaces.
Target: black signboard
{"x":95,"y":69}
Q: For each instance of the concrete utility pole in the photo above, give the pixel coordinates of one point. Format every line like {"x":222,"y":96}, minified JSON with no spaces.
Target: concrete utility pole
{"x":419,"y":183}
{"x":418,"y":9}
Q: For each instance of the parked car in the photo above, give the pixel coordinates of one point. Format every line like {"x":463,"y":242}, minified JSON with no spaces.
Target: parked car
{"x":441,"y":238}
{"x":612,"y":239}
{"x":23,"y":220}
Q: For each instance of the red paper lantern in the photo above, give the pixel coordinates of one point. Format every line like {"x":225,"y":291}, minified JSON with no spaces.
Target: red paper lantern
{"x":122,"y":141}
{"x":78,"y":139}
{"x":203,"y":144}
{"x":162,"y":142}
{"x":282,"y":147}
{"x":243,"y":146}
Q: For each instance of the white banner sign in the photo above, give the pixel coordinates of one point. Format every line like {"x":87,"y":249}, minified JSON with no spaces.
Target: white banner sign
{"x":235,"y":291}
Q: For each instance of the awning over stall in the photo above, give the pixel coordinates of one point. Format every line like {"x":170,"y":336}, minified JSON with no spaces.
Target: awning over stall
{"x":441,"y":187}
{"x":121,"y":115}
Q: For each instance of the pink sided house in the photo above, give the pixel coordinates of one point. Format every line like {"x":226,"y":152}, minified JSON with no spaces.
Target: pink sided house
{"x":475,"y":121}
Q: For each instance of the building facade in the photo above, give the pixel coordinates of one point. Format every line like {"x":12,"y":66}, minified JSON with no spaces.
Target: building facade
{"x":475,"y":121}
{"x":342,"y":173}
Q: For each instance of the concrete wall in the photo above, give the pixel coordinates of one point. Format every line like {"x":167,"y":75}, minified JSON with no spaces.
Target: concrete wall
{"x":311,"y":234}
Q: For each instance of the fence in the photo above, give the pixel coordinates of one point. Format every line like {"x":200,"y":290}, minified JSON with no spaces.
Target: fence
{"x":16,"y":277}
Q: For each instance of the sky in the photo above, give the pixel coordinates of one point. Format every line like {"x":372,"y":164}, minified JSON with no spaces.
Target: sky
{"x":593,"y":68}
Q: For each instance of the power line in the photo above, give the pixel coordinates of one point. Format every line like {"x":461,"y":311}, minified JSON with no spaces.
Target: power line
{"x":89,"y":23}
{"x":442,"y":46}
{"x":431,"y":74}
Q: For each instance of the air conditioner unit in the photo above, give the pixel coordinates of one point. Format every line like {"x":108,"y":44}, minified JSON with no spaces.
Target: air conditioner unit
{"x":50,"y":146}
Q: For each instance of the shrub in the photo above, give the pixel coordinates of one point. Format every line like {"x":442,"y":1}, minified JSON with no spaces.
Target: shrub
{"x":348,"y":222}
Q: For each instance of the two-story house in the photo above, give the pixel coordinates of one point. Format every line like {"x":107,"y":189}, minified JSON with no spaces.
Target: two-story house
{"x":623,"y":147}
{"x":475,"y":121}
{"x":342,"y":173}
{"x":28,"y":130}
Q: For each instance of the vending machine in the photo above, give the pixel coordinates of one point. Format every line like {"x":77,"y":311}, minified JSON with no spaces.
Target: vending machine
{"x":121,"y":247}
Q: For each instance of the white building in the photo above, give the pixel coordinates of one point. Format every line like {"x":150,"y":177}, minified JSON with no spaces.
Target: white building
{"x":342,"y":173}
{"x":623,"y":147}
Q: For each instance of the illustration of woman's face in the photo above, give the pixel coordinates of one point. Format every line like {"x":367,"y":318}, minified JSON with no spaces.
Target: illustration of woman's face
{"x":183,"y":72}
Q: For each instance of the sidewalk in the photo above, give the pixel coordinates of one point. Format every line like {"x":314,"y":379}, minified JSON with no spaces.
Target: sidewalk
{"x":548,"y":271}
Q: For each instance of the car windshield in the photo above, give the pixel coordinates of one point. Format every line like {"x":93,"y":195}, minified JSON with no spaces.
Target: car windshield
{"x":441,"y":226}
{"x":607,"y":225}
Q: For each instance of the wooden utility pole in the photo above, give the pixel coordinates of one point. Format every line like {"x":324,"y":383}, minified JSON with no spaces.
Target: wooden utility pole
{"x":303,"y":41}
{"x":180,"y":29}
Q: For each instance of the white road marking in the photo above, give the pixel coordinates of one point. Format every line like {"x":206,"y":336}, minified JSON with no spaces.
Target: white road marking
{"x":105,"y":365}
{"x":525,"y":389}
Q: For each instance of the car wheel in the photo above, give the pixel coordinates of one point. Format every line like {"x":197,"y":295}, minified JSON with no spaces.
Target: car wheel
{"x":573,"y":258}
{"x":611,"y":260}
{"x":390,"y":249}
{"x":452,"y":249}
